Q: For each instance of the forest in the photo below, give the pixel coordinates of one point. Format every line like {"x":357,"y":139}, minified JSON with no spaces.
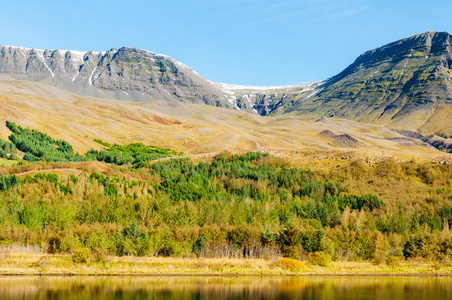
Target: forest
{"x":251,"y":205}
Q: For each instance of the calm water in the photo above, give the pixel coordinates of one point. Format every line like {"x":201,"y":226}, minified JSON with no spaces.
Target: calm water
{"x":387,"y":288}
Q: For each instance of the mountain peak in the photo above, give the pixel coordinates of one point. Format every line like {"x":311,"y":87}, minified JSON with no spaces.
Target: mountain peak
{"x":403,"y":83}
{"x":124,"y":73}
{"x":425,"y":44}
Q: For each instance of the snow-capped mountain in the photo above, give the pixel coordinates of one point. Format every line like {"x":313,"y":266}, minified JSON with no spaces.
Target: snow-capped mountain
{"x":137,"y":75}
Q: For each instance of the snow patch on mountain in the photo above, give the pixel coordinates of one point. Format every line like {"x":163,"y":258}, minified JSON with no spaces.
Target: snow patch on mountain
{"x":75,"y":55}
{"x":91,"y":77}
{"x":262,"y":99}
{"x":226,"y":87}
{"x":40,"y":54}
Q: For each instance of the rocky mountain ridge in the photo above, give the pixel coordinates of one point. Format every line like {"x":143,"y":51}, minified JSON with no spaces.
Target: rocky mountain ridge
{"x":406,"y":84}
{"x":135,"y":75}
{"x":124,"y":74}
{"x":265,"y":99}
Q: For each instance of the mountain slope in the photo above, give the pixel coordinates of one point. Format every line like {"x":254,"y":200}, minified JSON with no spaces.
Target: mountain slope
{"x":191,"y":128}
{"x":263,"y":100}
{"x":124,"y":74}
{"x":406,"y":84}
{"x":137,"y":75}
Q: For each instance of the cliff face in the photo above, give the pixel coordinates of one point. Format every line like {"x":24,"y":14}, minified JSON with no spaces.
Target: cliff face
{"x":137,"y":75}
{"x":406,"y":84}
{"x":125,"y":74}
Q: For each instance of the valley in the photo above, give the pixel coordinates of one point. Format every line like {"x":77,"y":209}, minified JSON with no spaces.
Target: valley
{"x":129,"y":153}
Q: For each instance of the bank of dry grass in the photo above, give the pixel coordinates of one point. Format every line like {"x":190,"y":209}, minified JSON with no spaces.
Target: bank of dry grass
{"x":47,"y":264}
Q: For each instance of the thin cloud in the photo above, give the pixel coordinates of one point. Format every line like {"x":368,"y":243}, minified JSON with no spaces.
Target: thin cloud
{"x":338,"y":15}
{"x":276,"y":18}
{"x":258,"y":12}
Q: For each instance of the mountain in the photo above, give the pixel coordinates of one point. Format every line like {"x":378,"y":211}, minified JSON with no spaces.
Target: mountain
{"x":124,"y":74}
{"x":136,"y":75}
{"x":406,"y":84}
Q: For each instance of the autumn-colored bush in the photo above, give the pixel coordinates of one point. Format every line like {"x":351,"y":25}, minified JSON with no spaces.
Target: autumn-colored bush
{"x":81,"y":255}
{"x":393,"y":260}
{"x":289,"y":264}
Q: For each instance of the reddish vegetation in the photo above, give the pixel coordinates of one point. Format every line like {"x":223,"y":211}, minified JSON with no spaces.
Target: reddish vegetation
{"x":134,"y":119}
{"x":159,"y":120}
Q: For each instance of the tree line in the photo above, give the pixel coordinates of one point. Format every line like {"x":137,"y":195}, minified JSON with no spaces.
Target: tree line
{"x":39,"y":146}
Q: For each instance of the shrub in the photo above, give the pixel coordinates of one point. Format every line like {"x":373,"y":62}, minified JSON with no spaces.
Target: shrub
{"x":311,"y":240}
{"x":291,"y":252}
{"x":289,"y":238}
{"x":415,"y":247}
{"x":29,"y":157}
{"x":447,"y":258}
{"x":70,"y":242}
{"x":54,"y":245}
{"x":100,"y":255}
{"x":34,"y":215}
{"x":319,"y":258}
{"x":380,"y":258}
{"x":393,"y":261}
{"x":289,"y":264}
{"x":199,"y":244}
{"x":81,"y":255}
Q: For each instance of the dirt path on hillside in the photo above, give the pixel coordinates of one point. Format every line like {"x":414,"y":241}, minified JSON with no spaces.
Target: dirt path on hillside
{"x":59,"y":171}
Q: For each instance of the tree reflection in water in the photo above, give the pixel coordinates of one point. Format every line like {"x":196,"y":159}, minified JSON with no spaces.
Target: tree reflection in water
{"x":184,"y":287}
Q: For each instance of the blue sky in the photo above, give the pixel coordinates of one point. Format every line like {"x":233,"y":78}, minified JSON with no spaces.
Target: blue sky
{"x":256,"y":42}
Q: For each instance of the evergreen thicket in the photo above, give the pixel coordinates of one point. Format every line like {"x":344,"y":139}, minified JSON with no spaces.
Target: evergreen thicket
{"x":135,"y":154}
{"x":40,"y":146}
{"x":7,"y":150}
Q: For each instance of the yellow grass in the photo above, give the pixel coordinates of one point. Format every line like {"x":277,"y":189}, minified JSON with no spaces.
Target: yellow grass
{"x":47,"y":264}
{"x":7,"y":162}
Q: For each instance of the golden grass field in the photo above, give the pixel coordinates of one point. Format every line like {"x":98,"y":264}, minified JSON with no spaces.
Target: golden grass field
{"x":58,"y":264}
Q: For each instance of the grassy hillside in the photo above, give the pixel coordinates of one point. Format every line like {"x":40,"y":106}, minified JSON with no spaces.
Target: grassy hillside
{"x":192,"y":129}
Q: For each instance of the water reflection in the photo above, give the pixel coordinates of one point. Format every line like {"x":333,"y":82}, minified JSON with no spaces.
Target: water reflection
{"x":309,"y":288}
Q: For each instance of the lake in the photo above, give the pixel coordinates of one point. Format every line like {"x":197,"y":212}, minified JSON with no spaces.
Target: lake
{"x":296,"y":287}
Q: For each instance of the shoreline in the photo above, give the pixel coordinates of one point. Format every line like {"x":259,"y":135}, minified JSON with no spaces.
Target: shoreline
{"x":230,"y":275}
{"x":52,"y":265}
